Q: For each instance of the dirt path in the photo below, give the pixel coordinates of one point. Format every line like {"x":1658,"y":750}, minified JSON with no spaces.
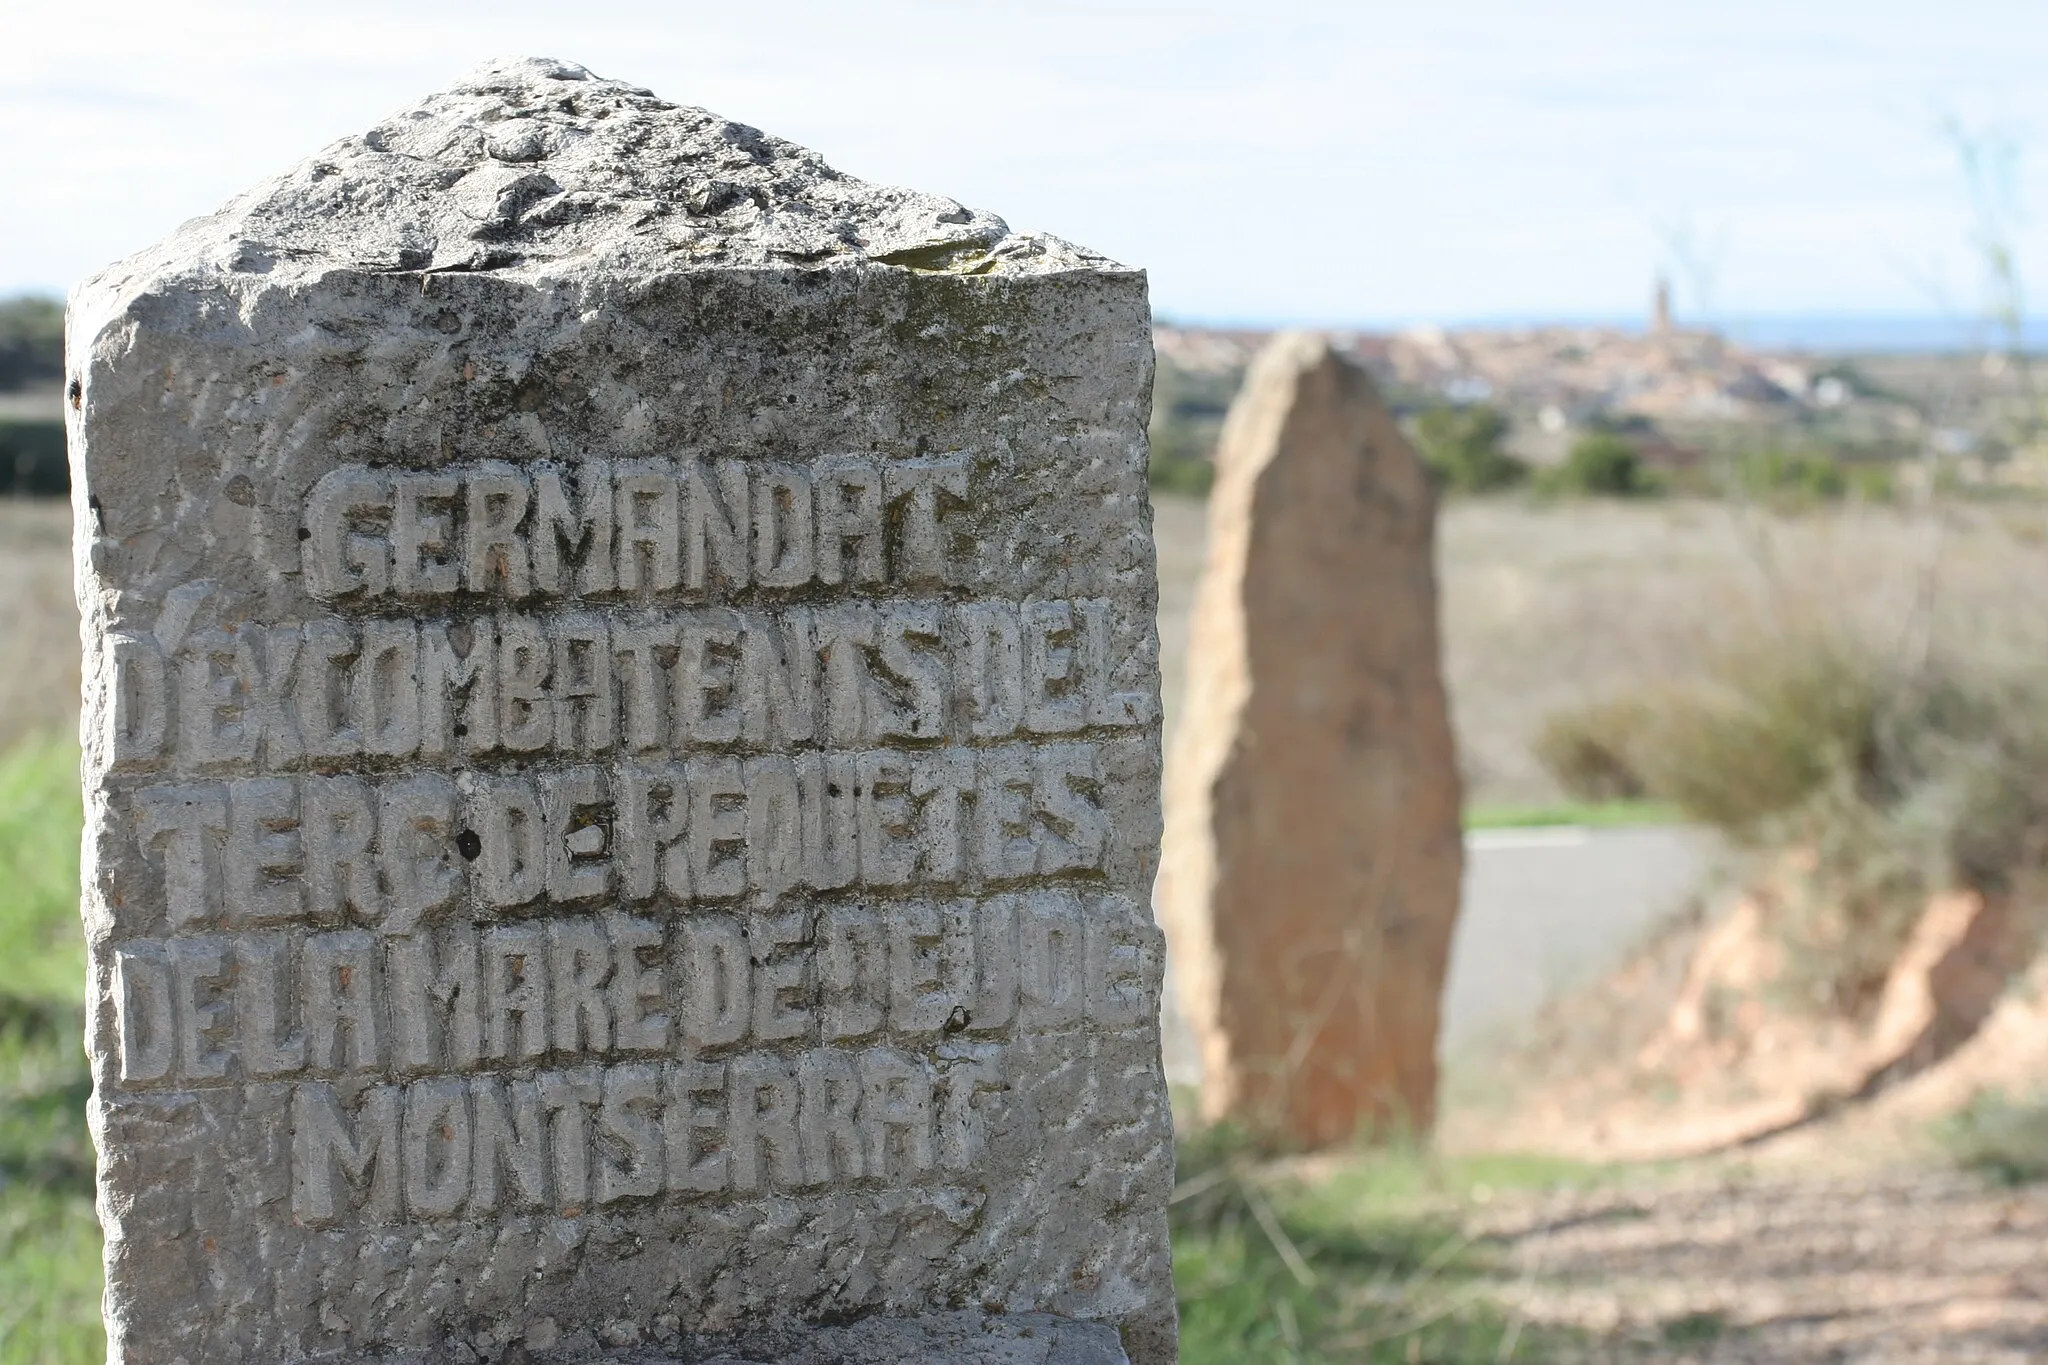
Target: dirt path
{"x":1779,"y":1267}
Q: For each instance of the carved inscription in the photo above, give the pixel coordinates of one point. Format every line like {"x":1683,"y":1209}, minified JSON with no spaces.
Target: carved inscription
{"x":543,"y":877}
{"x":300,"y":695}
{"x":631,"y":527}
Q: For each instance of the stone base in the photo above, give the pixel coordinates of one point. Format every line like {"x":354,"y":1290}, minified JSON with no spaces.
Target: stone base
{"x":964,"y":1338}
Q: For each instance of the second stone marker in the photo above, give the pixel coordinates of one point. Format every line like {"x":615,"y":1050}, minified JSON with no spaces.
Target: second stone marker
{"x":1313,"y":852}
{"x":622,"y":756}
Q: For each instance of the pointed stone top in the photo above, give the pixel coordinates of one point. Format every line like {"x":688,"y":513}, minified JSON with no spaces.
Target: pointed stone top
{"x":537,"y":168}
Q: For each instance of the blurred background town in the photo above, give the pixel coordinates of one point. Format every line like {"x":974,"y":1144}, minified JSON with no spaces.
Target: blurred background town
{"x":1714,"y":337}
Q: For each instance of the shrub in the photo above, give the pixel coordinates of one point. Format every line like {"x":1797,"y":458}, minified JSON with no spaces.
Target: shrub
{"x":1870,"y":482}
{"x":1776,"y":718}
{"x":1601,"y":464}
{"x":1592,"y":752}
{"x":1799,"y":475}
{"x":1893,"y":780}
{"x":1461,"y":448}
{"x":1190,"y":478}
{"x":1997,"y":1136}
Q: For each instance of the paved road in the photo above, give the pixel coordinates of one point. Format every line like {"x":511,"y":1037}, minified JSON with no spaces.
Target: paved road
{"x":1544,"y":909}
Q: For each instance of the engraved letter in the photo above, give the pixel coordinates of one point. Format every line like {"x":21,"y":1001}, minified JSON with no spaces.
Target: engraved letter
{"x":649,"y":527}
{"x":628,"y":1123}
{"x":638,"y":986}
{"x":653,"y":809}
{"x":778,"y":679}
{"x":512,"y":865}
{"x":516,"y":991}
{"x":1053,"y":702}
{"x":718,"y":828}
{"x":853,"y":973}
{"x":187,"y":822}
{"x":922,"y":555}
{"x":343,"y":553}
{"x":511,"y":1139}
{"x":781,"y":991}
{"x":493,"y":550}
{"x":775,"y":847}
{"x":422,"y":559}
{"x":910,"y":640}
{"x":582,"y":961}
{"x":142,"y":1002}
{"x":636,"y":655}
{"x":896,"y":1111}
{"x":762,"y":1112}
{"x":260,"y":1005}
{"x":263,"y":860}
{"x":1076,"y":829}
{"x":830,"y":1117}
{"x":455,"y":661}
{"x":342,"y":1010}
{"x":715,"y":532}
{"x":1050,"y":983}
{"x":716,"y":1003}
{"x":579,"y":834}
{"x":139,"y":718}
{"x":213,"y":723}
{"x":782,"y":526}
{"x":525,"y":719}
{"x":849,"y":515}
{"x":337,"y":825}
{"x":581,"y":526}
{"x":831,"y":818}
{"x":995,"y":668}
{"x":888,"y":845}
{"x":363,"y":1152}
{"x":416,"y":841}
{"x":437,"y":1147}
{"x":694,"y":1164}
{"x":436,"y":1011}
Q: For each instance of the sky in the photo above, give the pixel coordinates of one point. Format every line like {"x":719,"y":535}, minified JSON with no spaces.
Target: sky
{"x":1338,"y":164}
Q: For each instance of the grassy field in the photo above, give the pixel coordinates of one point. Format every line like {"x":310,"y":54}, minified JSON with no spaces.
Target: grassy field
{"x":1361,"y":1258}
{"x":49,"y":1241}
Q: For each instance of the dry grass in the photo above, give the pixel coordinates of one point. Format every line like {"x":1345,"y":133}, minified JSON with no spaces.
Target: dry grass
{"x":38,"y":620}
{"x":1550,"y":605}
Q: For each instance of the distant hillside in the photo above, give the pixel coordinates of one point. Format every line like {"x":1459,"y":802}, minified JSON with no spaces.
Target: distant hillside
{"x":31,"y":342}
{"x":1687,"y":399}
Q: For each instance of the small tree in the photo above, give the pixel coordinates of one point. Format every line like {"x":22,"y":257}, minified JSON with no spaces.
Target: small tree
{"x":1601,"y":464}
{"x":1461,"y":447}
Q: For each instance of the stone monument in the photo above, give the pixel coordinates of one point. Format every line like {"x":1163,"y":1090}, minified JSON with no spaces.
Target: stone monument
{"x":1312,"y":857}
{"x":622,"y":752}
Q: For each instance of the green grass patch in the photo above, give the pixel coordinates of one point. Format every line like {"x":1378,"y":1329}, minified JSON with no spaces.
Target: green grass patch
{"x":1368,"y":1264}
{"x":1998,"y":1136}
{"x":49,"y":1279}
{"x":1588,"y":814}
{"x":49,"y":1239}
{"x":40,"y":819}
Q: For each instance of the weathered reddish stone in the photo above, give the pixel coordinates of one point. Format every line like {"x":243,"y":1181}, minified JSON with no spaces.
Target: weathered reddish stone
{"x":1313,"y":855}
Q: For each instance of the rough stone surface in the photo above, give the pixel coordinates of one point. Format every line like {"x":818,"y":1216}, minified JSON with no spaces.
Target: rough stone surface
{"x":622,"y":753}
{"x":1310,"y":875}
